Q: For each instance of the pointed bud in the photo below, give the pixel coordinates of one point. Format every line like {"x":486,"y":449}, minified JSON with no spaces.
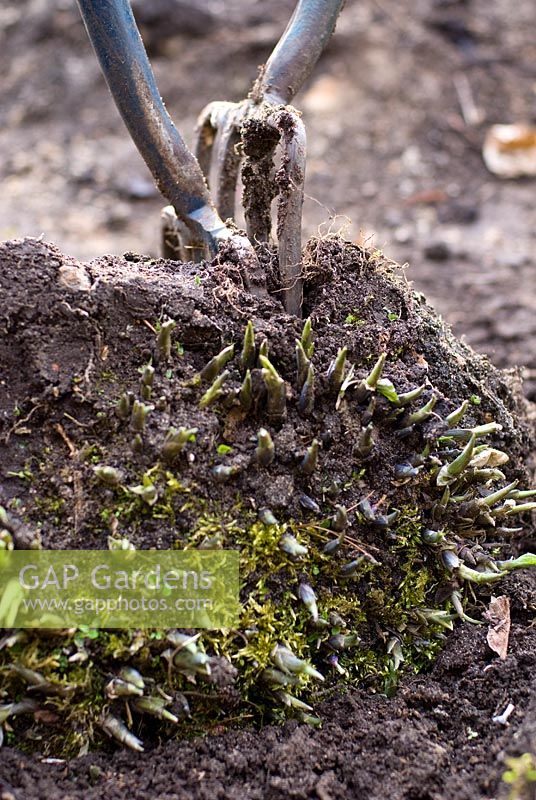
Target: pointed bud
{"x":155,"y":707}
{"x":335,"y":374}
{"x":370,"y":383}
{"x":148,"y":493}
{"x":245,"y":395}
{"x":274,"y":677}
{"x":138,"y":418}
{"x":290,"y":545}
{"x":286,"y":661}
{"x":342,"y":641}
{"x":292,"y":702}
{"x":308,"y":598}
{"x":479,"y":430}
{"x":421,"y":415}
{"x":302,"y":365}
{"x":247,"y":357}
{"x":455,"y":416}
{"x":117,"y":729}
{"x":349,"y":570}
{"x":146,"y":381}
{"x":214,"y":391}
{"x":223,"y":474}
{"x":307,"y":338}
{"x":176,"y":440}
{"x":339,"y":522}
{"x":520,"y":509}
{"x":267,"y":517}
{"x":108,"y":475}
{"x":275,"y":387}
{"x":450,"y":560}
{"x":365,"y":443}
{"x":122,"y":408}
{"x":449,"y":472}
{"x":164,"y":338}
{"x":495,"y":497}
{"x":346,"y":384}
{"x":216,"y":364}
{"x":332,"y":546}
{"x":131,"y":675}
{"x":265,"y":451}
{"x":407,"y":397}
{"x":310,"y":460}
{"x":263,"y":351}
{"x":306,"y":400}
{"x":120,"y":688}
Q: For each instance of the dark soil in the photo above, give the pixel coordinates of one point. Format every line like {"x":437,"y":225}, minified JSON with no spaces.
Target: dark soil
{"x":74,"y":338}
{"x":435,"y":741}
{"x":77,"y":338}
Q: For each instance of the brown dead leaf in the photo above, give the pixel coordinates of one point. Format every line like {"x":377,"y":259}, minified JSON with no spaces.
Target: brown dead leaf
{"x":498,"y":615}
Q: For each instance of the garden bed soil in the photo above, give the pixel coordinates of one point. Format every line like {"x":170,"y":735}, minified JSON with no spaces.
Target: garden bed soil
{"x":75,"y":336}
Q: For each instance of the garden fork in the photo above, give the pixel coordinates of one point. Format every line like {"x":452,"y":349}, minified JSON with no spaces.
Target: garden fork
{"x":232,"y":133}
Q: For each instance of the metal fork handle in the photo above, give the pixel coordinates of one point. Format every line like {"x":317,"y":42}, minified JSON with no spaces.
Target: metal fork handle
{"x":298,"y":50}
{"x":113,"y":32}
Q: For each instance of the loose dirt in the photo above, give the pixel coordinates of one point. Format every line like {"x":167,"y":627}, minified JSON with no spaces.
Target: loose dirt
{"x":77,"y":335}
{"x":389,"y":150}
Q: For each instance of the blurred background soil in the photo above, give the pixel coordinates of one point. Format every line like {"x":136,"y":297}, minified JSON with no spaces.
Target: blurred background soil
{"x":391,"y":158}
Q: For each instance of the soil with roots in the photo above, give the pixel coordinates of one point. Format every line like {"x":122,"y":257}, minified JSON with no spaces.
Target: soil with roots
{"x":74,"y":337}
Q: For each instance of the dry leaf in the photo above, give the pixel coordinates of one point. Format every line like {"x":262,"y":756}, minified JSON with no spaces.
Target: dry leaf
{"x":510,"y":150}
{"x":498,"y":615}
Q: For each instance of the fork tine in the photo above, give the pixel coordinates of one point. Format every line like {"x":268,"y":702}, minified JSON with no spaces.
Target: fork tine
{"x":218,"y":134}
{"x":290,"y":179}
{"x":298,"y":50}
{"x":289,"y":65}
{"x":228,"y":161}
{"x":112,"y":30}
{"x":208,"y":123}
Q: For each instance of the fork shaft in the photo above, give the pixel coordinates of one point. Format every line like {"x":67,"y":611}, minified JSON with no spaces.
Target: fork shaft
{"x":298,"y":50}
{"x":113,"y":32}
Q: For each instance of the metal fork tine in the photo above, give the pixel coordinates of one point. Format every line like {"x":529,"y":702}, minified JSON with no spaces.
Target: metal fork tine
{"x":222,"y":126}
{"x":291,"y":178}
{"x":206,"y":136}
{"x":218,"y":134}
{"x":228,"y":161}
{"x":298,"y":50}
{"x":192,"y":225}
{"x":112,"y":30}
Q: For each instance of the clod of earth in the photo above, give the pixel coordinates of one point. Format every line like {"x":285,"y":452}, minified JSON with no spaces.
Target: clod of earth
{"x":370,"y":470}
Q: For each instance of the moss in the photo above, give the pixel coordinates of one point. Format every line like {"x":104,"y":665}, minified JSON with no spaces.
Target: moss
{"x":93,"y":453}
{"x":375,"y":591}
{"x":52,"y":507}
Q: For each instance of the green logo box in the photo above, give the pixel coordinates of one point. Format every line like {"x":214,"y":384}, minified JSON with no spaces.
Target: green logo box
{"x":119,"y":589}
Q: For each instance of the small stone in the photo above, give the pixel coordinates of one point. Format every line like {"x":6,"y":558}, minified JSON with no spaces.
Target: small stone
{"x":437,"y":251}
{"x":74,"y":278}
{"x":458,"y":213}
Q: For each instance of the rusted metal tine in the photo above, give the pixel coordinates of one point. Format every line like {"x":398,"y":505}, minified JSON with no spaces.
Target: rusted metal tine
{"x":220,"y":126}
{"x":112,"y":30}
